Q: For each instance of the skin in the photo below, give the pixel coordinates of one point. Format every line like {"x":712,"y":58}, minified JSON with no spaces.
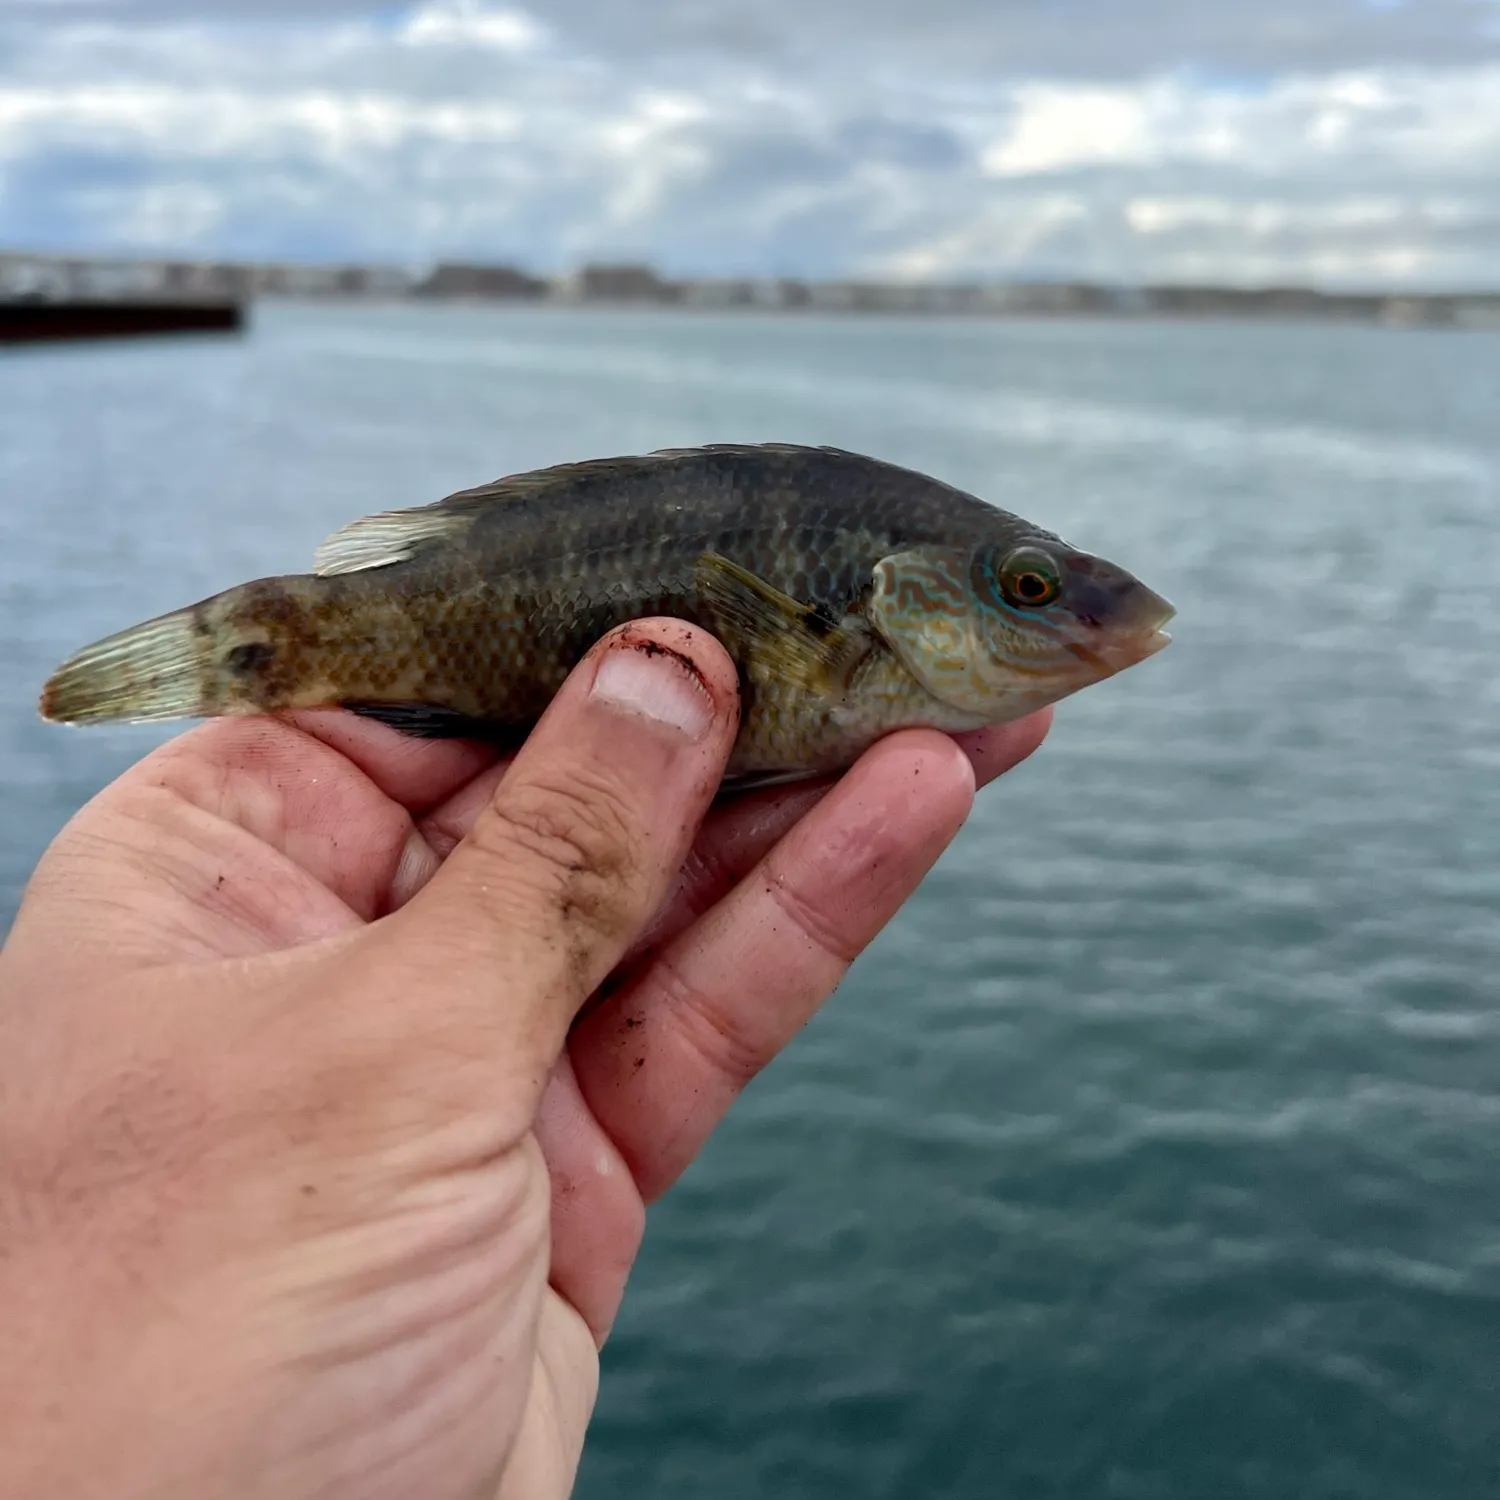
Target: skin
{"x":337,"y":1070}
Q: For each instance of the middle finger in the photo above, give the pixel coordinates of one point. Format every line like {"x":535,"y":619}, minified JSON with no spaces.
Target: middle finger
{"x":734,"y":838}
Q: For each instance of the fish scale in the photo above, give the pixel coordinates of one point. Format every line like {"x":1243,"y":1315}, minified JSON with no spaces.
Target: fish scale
{"x":855,"y":597}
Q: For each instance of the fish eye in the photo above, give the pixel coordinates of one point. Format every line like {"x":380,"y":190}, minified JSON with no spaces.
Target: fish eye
{"x":1029,"y":578}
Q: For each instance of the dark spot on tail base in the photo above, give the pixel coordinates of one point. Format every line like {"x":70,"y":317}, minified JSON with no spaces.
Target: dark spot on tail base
{"x":253,"y":656}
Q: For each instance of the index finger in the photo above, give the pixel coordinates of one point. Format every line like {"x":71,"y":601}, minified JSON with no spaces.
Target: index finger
{"x":417,"y":774}
{"x":736,"y":834}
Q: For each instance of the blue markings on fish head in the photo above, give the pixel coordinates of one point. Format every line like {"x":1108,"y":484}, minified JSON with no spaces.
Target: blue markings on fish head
{"x":1005,"y":628}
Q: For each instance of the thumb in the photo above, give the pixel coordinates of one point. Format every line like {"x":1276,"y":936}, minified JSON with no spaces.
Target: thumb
{"x":580,"y":843}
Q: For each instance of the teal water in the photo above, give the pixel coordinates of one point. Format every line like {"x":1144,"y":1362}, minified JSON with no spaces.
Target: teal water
{"x":1154,"y":1152}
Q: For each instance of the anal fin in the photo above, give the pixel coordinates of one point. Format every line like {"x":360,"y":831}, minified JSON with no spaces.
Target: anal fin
{"x":431,"y":721}
{"x":759,"y":781}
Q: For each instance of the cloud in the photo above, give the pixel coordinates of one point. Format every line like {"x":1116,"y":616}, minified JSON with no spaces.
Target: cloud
{"x":467,"y":23}
{"x":1342,"y":142}
{"x":1086,"y":38}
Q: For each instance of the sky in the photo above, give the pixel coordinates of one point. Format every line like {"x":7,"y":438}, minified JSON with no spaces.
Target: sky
{"x":1345,"y":143}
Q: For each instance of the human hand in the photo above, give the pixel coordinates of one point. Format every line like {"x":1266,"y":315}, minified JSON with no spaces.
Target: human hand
{"x":312,"y":1181}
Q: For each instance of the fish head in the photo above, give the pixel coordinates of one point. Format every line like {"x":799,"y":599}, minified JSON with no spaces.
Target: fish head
{"x":1013,"y":625}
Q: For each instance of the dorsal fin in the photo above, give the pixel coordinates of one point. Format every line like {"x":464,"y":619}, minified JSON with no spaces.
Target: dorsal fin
{"x":623,"y":466}
{"x":378,"y":541}
{"x":395,"y":536}
{"x":749,"y":450}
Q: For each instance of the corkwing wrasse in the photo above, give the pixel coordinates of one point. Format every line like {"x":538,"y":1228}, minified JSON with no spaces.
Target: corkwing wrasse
{"x":855,"y":597}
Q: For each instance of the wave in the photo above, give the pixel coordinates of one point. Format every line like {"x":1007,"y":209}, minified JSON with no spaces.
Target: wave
{"x":1019,"y":417}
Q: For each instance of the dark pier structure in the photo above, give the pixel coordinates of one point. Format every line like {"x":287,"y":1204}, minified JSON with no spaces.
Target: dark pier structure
{"x":39,"y":320}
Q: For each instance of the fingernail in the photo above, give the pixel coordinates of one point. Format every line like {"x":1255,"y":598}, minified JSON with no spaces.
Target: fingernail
{"x":656,"y":683}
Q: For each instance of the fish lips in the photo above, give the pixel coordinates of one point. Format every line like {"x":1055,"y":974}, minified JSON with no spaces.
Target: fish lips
{"x":1127,"y":619}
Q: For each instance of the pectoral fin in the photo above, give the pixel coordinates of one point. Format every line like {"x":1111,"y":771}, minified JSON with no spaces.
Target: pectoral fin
{"x":785,"y":640}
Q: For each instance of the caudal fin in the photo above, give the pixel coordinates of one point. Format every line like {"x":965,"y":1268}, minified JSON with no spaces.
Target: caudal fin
{"x":149,"y":672}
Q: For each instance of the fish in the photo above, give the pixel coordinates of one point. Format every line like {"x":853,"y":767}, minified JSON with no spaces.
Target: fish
{"x":856,"y":597}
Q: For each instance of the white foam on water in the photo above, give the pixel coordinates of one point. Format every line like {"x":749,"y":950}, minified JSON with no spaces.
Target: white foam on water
{"x":1017,"y":416}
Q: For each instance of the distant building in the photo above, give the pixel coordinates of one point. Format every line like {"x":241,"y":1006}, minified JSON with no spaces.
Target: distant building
{"x":31,"y":276}
{"x":831,"y":296}
{"x":334,"y":281}
{"x":458,"y":279}
{"x":1263,"y":302}
{"x":621,"y":283}
{"x":1477,"y":312}
{"x":738,"y":291}
{"x":1417,"y":312}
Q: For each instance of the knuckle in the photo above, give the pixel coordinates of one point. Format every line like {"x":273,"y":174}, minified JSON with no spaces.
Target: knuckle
{"x":442,"y":833}
{"x":578,"y":841}
{"x":819,"y":926}
{"x":707,"y":877}
{"x":708,"y":1025}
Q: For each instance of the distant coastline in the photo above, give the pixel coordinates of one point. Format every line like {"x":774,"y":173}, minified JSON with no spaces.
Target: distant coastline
{"x":32,"y":277}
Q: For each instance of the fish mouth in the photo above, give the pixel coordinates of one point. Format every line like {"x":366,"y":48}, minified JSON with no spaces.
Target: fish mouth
{"x":1149,"y":644}
{"x":1144,"y":637}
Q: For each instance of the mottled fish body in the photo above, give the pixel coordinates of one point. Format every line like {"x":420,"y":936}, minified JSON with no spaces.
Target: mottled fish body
{"x":856,"y":598}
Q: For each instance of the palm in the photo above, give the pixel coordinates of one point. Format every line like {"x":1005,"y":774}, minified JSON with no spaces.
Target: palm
{"x":263,"y":840}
